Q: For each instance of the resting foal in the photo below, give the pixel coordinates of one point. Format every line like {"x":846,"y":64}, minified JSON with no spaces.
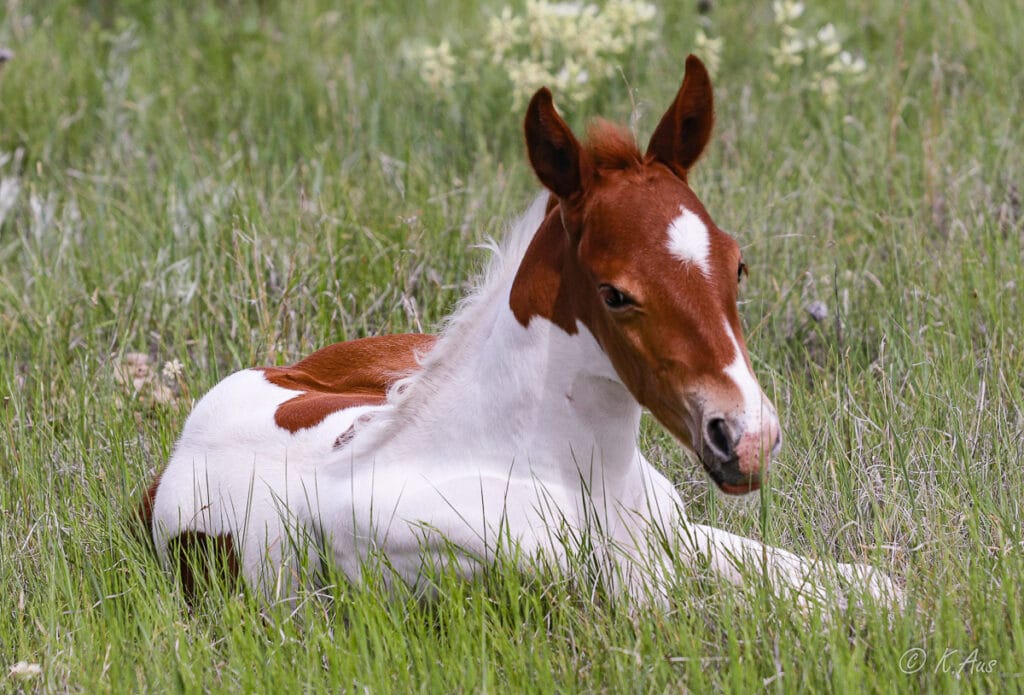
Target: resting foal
{"x":614,"y":293}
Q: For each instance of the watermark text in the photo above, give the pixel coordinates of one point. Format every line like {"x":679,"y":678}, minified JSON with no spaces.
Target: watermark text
{"x":959,"y":662}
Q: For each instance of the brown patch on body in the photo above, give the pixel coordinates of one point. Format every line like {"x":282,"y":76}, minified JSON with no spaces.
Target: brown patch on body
{"x":345,"y":375}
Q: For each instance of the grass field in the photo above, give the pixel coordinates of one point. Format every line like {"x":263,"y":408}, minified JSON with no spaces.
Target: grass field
{"x":224,"y":184}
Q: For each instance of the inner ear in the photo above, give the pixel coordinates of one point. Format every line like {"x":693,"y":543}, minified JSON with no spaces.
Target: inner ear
{"x":555,"y":154}
{"x":684,"y":130}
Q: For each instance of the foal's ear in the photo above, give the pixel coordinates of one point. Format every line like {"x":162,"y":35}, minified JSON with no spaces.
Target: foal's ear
{"x":685,"y":129}
{"x":555,"y":154}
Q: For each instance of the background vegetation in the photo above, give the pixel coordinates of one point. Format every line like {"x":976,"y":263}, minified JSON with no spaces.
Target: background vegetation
{"x":214,"y":185}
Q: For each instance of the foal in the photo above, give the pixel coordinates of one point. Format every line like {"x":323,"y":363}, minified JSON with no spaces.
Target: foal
{"x":614,"y":293}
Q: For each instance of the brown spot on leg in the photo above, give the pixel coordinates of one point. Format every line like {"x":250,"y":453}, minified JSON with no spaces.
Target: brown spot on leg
{"x":203,"y":559}
{"x":144,"y":512}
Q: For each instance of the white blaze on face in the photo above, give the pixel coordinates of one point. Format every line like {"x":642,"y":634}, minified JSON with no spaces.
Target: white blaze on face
{"x":688,"y":240}
{"x":755,"y":405}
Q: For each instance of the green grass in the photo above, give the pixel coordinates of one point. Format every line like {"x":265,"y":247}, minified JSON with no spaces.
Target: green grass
{"x":207,"y":182}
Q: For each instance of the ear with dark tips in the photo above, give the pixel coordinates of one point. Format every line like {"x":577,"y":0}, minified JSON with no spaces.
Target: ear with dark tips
{"x":555,"y":154}
{"x":685,"y":129}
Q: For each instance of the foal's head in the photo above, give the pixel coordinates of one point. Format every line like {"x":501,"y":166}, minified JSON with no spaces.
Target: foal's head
{"x":629,"y":251}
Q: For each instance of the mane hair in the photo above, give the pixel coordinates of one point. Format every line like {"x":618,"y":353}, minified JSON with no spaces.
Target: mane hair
{"x":492,"y":286}
{"x":612,"y":146}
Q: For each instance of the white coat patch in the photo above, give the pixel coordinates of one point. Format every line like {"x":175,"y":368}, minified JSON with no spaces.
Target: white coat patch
{"x":688,"y":240}
{"x":750,"y":390}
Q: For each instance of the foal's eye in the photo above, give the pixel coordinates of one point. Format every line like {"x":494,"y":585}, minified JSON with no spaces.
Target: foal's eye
{"x":740,"y":272}
{"x":615,"y":298}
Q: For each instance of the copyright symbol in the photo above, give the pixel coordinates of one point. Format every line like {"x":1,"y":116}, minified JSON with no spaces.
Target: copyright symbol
{"x":913,"y":660}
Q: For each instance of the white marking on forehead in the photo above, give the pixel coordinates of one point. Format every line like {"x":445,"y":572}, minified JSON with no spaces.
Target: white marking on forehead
{"x":688,"y":240}
{"x":744,"y":379}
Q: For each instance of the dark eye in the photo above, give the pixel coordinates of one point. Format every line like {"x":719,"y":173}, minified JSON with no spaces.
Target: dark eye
{"x":741,"y":271}
{"x":614,"y":298}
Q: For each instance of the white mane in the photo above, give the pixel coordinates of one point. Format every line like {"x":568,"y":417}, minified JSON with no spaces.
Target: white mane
{"x":472,"y":312}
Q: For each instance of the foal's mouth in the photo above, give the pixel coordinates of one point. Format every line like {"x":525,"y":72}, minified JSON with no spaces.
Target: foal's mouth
{"x":725,"y":474}
{"x":750,"y":486}
{"x":733,"y":483}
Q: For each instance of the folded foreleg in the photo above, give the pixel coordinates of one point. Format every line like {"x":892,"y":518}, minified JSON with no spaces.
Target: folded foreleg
{"x":740,"y":559}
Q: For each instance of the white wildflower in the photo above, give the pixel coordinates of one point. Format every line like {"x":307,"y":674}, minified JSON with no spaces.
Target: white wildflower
{"x":709,"y":49}
{"x":786,"y":11}
{"x":828,"y":42}
{"x":794,"y":46}
{"x":503,"y":33}
{"x":572,"y":73}
{"x":558,"y":10}
{"x":790,"y":31}
{"x":622,"y":15}
{"x":173,"y":370}
{"x":598,"y":39}
{"x":635,"y":12}
{"x":572,"y":81}
{"x":846,"y":64}
{"x":24,"y":671}
{"x":552,"y":24}
{"x":569,"y":46}
{"x":788,"y":53}
{"x":827,"y":67}
{"x":829,"y":88}
{"x":437,"y":65}
{"x":527,"y":76}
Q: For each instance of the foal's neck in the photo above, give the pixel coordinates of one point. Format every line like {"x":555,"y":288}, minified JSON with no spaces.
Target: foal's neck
{"x":538,"y":397}
{"x":556,"y":396}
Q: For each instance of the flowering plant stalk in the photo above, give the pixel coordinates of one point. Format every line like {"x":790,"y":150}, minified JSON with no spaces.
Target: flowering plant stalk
{"x":571,"y":47}
{"x":817,"y":53}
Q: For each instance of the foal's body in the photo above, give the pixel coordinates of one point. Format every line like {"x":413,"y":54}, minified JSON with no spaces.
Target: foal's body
{"x":518,"y":426}
{"x":507,"y":449}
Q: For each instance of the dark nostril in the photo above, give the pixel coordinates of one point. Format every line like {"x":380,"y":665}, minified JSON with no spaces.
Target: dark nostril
{"x":720,"y":438}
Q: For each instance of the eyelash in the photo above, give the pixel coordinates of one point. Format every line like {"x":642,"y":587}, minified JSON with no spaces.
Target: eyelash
{"x":614,"y":298}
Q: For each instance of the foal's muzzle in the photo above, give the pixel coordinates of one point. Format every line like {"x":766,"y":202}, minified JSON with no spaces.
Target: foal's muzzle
{"x":735,"y":456}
